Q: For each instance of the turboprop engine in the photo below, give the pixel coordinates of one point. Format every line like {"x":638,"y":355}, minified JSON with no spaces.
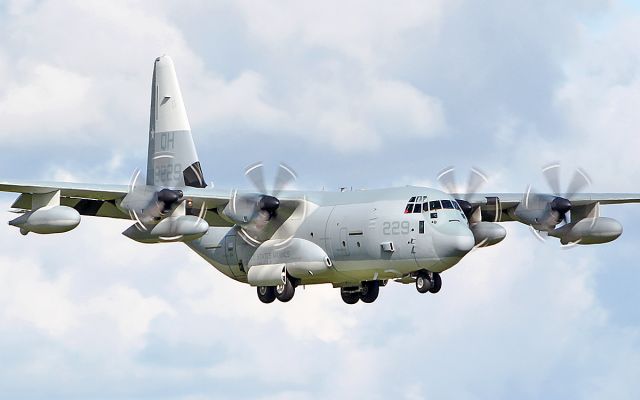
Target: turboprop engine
{"x":47,"y":220}
{"x":161,"y":215}
{"x":589,"y":231}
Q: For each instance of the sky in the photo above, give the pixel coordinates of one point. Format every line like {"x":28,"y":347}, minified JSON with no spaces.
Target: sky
{"x":350,"y":94}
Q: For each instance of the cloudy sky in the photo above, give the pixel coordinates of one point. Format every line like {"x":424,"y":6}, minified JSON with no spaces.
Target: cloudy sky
{"x":350,"y":94}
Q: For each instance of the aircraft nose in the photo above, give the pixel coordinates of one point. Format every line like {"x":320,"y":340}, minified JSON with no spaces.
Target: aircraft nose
{"x":455,"y":240}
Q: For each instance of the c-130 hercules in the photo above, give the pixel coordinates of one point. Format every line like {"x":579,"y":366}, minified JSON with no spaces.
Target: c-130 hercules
{"x":355,"y":240}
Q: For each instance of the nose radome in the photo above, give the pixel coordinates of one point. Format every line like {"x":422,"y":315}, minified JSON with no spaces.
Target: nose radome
{"x":464,"y":243}
{"x":454,"y":240}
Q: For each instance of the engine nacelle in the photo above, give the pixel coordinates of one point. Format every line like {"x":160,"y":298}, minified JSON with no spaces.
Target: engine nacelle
{"x":488,"y":233}
{"x":299,"y":258}
{"x":589,"y":231}
{"x":172,"y":229}
{"x":47,"y":220}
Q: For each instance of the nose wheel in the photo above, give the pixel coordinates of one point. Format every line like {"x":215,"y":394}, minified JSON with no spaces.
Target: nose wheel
{"x":428,"y":282}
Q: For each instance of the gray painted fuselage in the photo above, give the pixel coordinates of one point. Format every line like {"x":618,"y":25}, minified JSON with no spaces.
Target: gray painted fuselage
{"x":351,"y":228}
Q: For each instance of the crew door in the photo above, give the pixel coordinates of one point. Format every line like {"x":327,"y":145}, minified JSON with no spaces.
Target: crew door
{"x":230,"y":248}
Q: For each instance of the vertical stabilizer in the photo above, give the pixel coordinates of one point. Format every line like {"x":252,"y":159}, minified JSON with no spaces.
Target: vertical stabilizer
{"x":172,"y":159}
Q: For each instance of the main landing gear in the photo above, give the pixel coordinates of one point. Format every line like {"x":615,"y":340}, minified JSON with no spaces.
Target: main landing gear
{"x":428,"y":282}
{"x":284,"y":292}
{"x":368,"y":292}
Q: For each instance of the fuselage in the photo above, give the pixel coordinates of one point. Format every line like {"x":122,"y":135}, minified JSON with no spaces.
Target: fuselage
{"x":364,"y":235}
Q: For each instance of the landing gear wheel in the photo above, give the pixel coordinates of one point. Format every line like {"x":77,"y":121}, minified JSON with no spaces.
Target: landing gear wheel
{"x":267,"y":294}
{"x":349,"y":295}
{"x":370,"y":291}
{"x":423,"y":283}
{"x":437,"y":283}
{"x":285,"y":292}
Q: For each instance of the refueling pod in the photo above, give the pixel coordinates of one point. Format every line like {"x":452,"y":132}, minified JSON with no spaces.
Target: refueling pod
{"x":47,"y":215}
{"x":589,"y":231}
{"x":47,"y":220}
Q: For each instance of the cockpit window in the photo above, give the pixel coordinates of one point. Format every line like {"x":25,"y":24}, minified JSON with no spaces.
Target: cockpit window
{"x":447,"y":204}
{"x":415,"y":205}
{"x":435,"y":205}
{"x":457,"y":206}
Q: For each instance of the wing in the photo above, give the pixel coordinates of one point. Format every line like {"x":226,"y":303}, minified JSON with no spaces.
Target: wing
{"x":102,"y":200}
{"x":503,"y":203}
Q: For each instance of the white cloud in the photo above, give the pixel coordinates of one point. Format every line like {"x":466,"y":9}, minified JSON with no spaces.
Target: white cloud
{"x":354,"y":28}
{"x":363,"y":115}
{"x":50,"y":100}
{"x":30,"y":297}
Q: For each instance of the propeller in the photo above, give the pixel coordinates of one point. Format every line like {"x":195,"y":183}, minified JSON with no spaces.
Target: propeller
{"x":476,"y":179}
{"x":543,"y":211}
{"x":260,"y":215}
{"x":147,"y":205}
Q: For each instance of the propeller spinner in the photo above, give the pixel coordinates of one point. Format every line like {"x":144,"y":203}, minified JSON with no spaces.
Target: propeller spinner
{"x":259,"y":214}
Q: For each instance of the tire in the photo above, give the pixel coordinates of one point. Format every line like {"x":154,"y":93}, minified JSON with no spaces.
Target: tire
{"x":437,"y":283}
{"x":349,"y":295}
{"x":423,"y":283}
{"x":267,"y":294}
{"x":370,"y":291}
{"x":285,"y":292}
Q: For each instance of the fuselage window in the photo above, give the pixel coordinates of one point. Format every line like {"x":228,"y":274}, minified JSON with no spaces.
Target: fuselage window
{"x":421,"y":227}
{"x":434,"y":205}
{"x":447,"y":204}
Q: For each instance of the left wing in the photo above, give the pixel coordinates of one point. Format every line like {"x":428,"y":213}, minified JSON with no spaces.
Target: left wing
{"x":504,"y":204}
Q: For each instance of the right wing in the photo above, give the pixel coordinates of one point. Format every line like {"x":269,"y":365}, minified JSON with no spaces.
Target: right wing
{"x":100,"y":200}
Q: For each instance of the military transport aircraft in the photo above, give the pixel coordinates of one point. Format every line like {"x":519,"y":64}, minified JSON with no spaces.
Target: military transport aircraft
{"x":277,"y":240}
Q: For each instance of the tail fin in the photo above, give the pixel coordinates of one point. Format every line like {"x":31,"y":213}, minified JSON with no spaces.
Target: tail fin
{"x":172,"y":159}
